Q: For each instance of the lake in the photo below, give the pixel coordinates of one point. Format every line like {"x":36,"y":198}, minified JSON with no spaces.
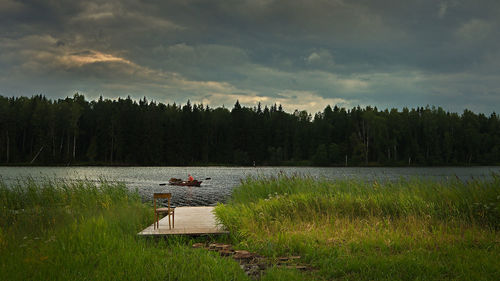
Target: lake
{"x":223,"y":179}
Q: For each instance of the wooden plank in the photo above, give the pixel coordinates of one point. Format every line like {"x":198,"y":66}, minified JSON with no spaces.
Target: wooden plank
{"x":188,"y":221}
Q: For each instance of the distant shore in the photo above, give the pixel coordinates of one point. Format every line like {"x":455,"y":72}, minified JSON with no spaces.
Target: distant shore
{"x":299,"y":164}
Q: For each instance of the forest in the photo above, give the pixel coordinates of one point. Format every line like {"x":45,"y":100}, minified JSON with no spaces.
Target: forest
{"x":73,"y":131}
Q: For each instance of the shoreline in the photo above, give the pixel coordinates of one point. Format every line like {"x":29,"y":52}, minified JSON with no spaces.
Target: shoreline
{"x":250,"y":166}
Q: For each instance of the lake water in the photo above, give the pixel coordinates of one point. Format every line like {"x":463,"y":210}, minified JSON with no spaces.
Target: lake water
{"x":223,"y":179}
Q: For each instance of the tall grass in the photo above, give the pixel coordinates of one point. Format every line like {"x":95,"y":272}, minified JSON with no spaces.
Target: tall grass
{"x":476,"y":201}
{"x":347,"y":230}
{"x":408,"y":229}
{"x":82,"y":230}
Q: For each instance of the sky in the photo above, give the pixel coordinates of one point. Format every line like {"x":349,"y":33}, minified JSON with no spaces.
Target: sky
{"x":303,"y":54}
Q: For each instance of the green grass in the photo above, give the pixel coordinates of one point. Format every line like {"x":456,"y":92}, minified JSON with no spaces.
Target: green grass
{"x":349,"y":230}
{"x":346,"y":230}
{"x":87,"y":231}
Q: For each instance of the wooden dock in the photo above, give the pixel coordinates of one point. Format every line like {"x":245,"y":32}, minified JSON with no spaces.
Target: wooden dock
{"x":188,"y":221}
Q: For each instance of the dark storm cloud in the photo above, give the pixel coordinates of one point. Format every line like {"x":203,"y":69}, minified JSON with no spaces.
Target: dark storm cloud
{"x":301,"y":53}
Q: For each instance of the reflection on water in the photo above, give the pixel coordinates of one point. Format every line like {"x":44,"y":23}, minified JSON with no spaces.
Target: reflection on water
{"x":223,"y":179}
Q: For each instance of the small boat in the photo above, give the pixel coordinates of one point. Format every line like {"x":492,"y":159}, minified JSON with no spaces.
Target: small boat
{"x":180,"y":182}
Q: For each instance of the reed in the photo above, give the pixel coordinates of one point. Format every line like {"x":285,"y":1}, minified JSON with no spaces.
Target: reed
{"x":346,"y":230}
{"x":407,"y":229}
{"x":83,"y":230}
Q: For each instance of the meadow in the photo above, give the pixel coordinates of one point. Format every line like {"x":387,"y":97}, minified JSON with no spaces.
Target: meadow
{"x":413,"y":229}
{"x":83,"y":230}
{"x":345,"y":230}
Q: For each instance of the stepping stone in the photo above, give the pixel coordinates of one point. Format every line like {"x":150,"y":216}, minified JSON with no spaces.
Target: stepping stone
{"x":242,"y":254}
{"x":198,"y":245}
{"x":226,"y":253}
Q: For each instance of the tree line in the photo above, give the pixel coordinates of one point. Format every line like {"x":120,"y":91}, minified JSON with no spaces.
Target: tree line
{"x":69,"y":131}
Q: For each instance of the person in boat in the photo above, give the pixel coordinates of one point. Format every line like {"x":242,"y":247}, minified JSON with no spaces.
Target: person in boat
{"x":190,"y":178}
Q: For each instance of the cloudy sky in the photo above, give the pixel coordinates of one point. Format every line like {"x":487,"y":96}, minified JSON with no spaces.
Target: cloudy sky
{"x":303,"y":54}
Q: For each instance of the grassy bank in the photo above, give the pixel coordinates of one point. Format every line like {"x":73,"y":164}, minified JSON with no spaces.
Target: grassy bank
{"x":348,"y":230}
{"x":345,"y":230}
{"x":87,"y":231}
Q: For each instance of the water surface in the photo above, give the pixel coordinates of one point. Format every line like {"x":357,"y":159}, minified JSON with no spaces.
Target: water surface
{"x":223,"y":179}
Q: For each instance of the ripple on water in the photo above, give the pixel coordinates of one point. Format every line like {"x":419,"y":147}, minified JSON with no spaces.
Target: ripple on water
{"x":223,"y":180}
